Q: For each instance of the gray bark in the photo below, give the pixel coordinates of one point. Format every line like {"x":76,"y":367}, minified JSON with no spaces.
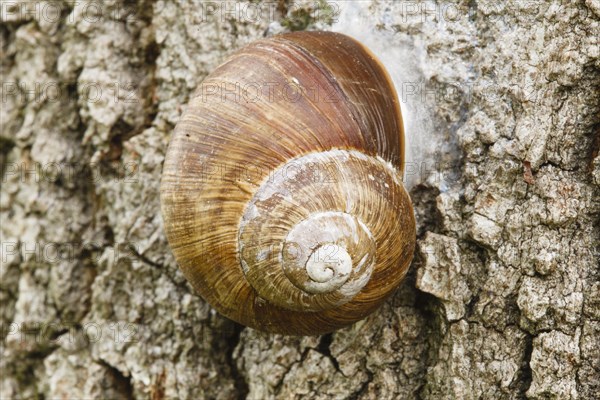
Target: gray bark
{"x":503,"y":298}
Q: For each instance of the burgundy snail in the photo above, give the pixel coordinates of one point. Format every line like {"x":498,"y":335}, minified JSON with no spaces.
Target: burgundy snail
{"x":282,"y":194}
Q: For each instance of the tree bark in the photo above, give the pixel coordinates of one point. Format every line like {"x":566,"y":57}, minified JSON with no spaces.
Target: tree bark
{"x":503,"y":297}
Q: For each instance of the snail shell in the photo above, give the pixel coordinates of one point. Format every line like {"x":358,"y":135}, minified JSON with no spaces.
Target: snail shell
{"x":281,"y":192}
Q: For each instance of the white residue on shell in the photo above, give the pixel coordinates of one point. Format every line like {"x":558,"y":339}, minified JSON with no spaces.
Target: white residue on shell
{"x":352,"y":287}
{"x":362,"y":262}
{"x":263,"y":255}
{"x":364,"y":227}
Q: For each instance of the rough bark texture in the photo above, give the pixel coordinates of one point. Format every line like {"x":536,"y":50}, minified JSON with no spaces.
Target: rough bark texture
{"x":503,"y":299}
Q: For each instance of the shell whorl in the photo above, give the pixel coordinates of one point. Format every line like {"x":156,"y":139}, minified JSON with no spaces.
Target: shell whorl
{"x":305,"y":242}
{"x":291,"y":217}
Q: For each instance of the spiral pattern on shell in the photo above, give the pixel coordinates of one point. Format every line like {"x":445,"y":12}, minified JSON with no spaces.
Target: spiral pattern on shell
{"x":288,"y":214}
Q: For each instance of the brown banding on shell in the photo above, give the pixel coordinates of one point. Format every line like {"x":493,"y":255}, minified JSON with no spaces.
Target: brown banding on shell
{"x":285,"y":209}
